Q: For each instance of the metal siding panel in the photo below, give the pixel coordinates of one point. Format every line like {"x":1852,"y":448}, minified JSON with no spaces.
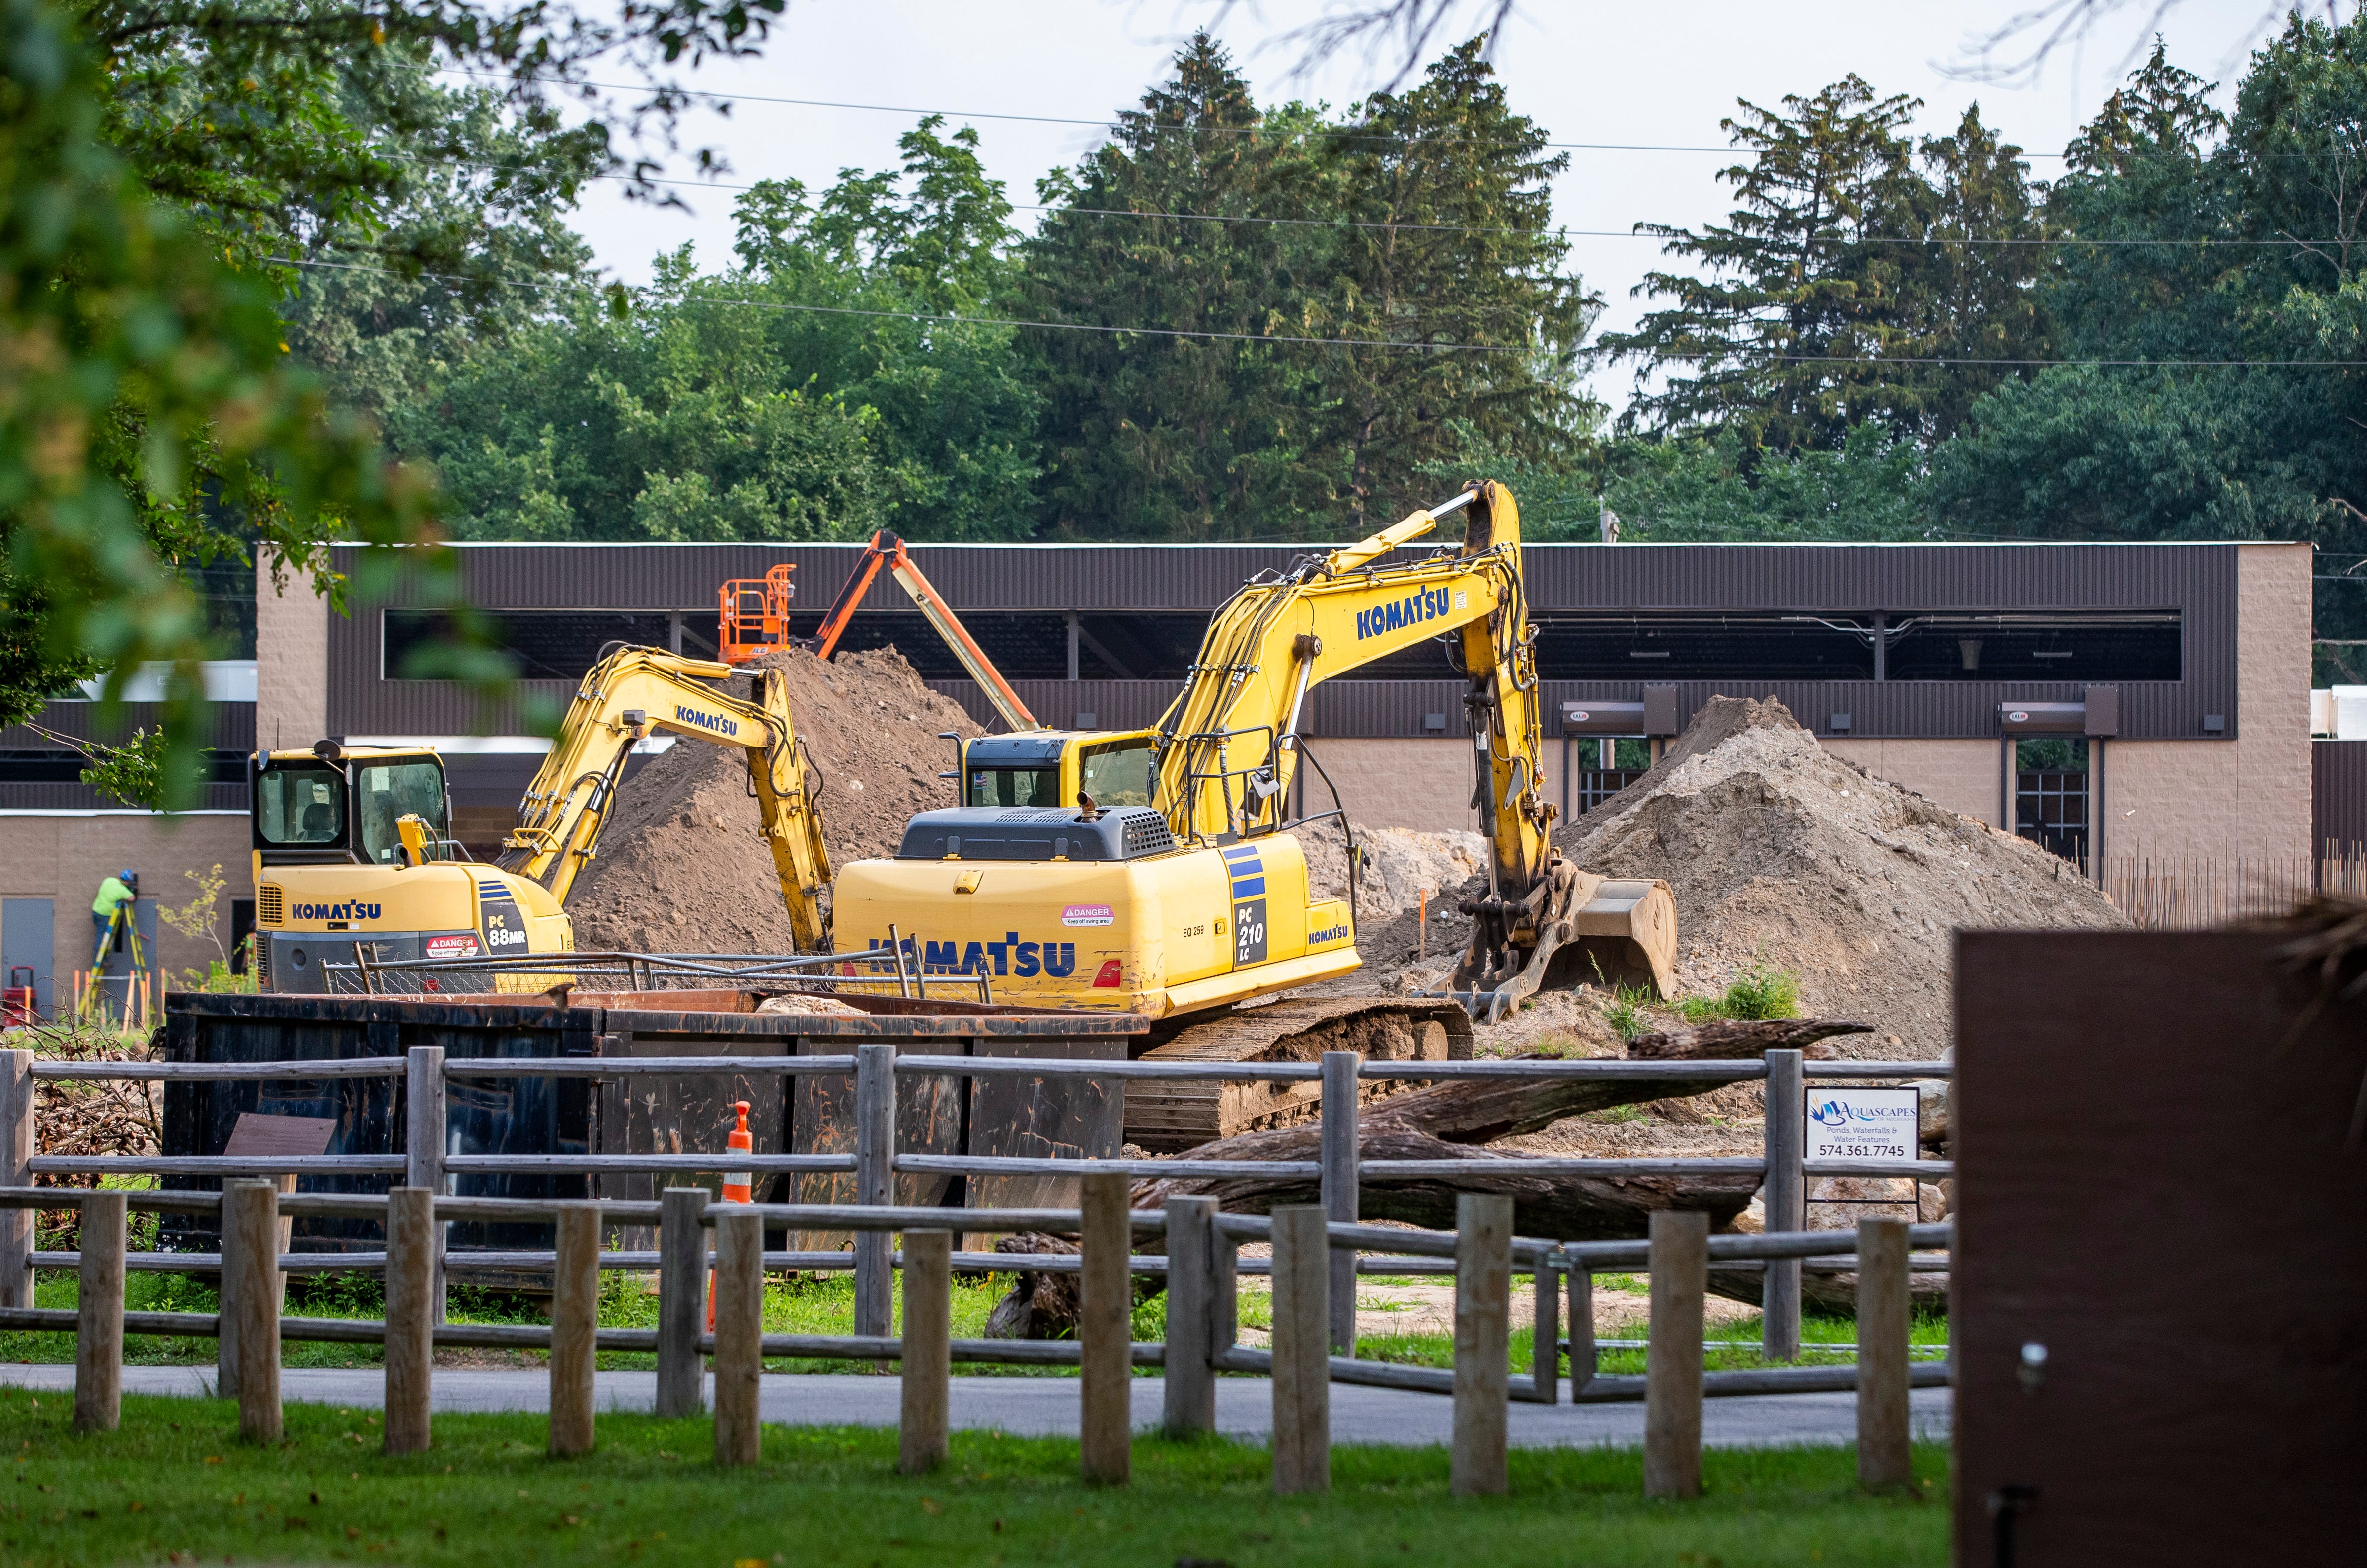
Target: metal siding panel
{"x":233,"y":725}
{"x":2198,"y":580}
{"x":2337,"y":794}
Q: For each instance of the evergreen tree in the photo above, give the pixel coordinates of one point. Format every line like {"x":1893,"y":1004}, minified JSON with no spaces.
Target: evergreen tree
{"x":1174,"y":438}
{"x":1979,"y":271}
{"x":1448,"y":246}
{"x":1812,"y":283}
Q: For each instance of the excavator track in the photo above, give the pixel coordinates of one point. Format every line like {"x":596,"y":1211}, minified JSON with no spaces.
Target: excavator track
{"x":1167,"y":1116}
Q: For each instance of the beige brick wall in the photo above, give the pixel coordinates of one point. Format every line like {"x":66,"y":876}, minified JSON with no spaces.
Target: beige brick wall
{"x":1964,"y":776}
{"x":2247,"y":798}
{"x":64,"y":858}
{"x":291,"y":662}
{"x":1420,"y":784}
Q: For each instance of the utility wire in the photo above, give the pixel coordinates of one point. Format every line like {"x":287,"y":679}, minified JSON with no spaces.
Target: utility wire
{"x":1638,"y":233}
{"x":1942,"y":361}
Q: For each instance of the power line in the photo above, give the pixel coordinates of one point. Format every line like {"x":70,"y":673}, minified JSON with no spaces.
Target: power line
{"x":1638,"y":233}
{"x":1941,"y":361}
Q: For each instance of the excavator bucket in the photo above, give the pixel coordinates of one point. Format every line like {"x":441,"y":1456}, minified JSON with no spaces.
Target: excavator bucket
{"x":1626,"y":935}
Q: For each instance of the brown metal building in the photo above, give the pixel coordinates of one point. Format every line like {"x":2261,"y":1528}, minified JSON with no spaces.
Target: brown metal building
{"x":2163,"y":690}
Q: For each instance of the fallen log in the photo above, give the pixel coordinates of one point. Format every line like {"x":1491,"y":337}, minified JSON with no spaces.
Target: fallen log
{"x":1448,"y":1121}
{"x":1828,"y":1292}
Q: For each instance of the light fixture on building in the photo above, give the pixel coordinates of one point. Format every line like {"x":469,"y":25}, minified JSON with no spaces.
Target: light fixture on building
{"x":1970,"y":648}
{"x":1088,"y":721}
{"x":1839,"y":724}
{"x":1433,"y":721}
{"x":2215,"y":724}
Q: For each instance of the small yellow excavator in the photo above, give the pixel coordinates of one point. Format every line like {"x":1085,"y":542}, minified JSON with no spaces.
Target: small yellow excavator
{"x":351,"y":848}
{"x":1154,"y":872}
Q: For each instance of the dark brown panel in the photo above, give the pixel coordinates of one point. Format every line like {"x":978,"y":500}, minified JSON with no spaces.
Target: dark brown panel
{"x":2154,"y":1183}
{"x":2337,"y":794}
{"x":1043,"y":1118}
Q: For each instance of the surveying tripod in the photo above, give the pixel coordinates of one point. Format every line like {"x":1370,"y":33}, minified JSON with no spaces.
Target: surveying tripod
{"x":123,"y":926}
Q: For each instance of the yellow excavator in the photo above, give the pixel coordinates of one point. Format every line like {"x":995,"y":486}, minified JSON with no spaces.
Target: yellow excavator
{"x":352,"y":850}
{"x":1154,"y":872}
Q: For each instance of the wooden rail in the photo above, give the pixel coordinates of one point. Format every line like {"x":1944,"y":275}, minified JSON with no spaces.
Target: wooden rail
{"x":1201,"y":1268}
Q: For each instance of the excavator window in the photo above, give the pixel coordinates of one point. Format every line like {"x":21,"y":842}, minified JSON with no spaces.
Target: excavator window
{"x":301,"y":806}
{"x":385,"y":792}
{"x":1014,"y":786}
{"x":1117,"y":774}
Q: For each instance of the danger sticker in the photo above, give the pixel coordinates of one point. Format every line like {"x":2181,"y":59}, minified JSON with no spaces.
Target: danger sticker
{"x":459,"y":947}
{"x":1088,"y":915}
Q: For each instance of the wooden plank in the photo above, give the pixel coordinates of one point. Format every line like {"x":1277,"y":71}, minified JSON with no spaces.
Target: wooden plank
{"x":1190,"y":1393}
{"x":739,"y":1335}
{"x":1302,"y":1351}
{"x":1883,"y":1457}
{"x":1483,"y":1329}
{"x":16,"y":1154}
{"x":1339,"y":1189}
{"x":1785,"y":1191}
{"x":575,"y":1328}
{"x":98,"y":1325}
{"x":924,"y":1418}
{"x":2155,"y":1146}
{"x":1105,"y":1311}
{"x":250,"y":1249}
{"x":682,"y":1300}
{"x":875,"y":1183}
{"x":1672,"y":1363}
{"x":411,"y":1313}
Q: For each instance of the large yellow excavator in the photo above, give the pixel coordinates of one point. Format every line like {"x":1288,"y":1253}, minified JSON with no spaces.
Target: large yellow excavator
{"x":1154,"y":872}
{"x":351,"y":848}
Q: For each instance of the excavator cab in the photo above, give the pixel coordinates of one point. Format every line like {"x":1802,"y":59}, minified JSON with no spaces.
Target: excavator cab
{"x":1057,"y":767}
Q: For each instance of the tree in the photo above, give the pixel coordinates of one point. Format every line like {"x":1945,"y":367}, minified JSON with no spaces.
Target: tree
{"x":1149,"y":435}
{"x":1448,"y":264}
{"x":158,"y":158}
{"x":817,"y":391}
{"x":1980,"y":267}
{"x":1810,"y":287}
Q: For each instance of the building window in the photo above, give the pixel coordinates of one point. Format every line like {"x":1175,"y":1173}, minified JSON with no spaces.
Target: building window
{"x":1657,"y":647}
{"x":549,"y":644}
{"x":2104,"y":647}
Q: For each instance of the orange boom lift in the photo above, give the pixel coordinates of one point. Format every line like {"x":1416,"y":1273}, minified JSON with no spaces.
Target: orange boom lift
{"x":887,"y":550}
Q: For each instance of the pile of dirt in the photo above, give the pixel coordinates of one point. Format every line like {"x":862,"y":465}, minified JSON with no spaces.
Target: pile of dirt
{"x":683,"y":865}
{"x":1784,"y":855}
{"x":1400,"y":865}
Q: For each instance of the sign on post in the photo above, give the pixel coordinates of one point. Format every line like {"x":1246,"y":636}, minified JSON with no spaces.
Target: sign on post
{"x":1861,"y":1124}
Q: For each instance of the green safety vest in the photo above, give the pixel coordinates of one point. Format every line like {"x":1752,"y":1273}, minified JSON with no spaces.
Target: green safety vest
{"x":111,"y":894}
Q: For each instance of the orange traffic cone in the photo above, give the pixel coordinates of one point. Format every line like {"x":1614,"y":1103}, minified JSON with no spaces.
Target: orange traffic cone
{"x":739,"y":1187}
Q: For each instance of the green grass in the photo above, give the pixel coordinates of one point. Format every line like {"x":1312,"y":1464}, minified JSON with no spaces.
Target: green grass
{"x":1760,"y":992}
{"x":175,"y":1485}
{"x":808,"y":1305}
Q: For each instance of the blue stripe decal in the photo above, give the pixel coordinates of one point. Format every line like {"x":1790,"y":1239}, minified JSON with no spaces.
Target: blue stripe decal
{"x":1248,"y":887}
{"x":1238,"y":855}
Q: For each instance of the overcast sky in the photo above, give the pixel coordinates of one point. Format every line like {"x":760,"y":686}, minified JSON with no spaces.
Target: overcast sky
{"x":1655,"y":73}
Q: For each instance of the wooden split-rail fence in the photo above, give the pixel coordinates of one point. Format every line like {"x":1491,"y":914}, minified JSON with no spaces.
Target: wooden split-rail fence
{"x":1317,"y":1250}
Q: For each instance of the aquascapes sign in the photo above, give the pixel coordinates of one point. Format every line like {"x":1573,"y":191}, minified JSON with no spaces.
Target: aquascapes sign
{"x":1861,"y":1124}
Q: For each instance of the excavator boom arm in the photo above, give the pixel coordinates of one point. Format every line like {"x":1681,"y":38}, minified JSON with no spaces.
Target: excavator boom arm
{"x":1231,"y":738}
{"x":621,"y":700}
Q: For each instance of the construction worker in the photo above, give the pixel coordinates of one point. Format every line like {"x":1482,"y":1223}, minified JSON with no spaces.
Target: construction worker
{"x":116,"y":892}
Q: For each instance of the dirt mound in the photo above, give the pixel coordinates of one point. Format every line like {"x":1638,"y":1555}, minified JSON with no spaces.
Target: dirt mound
{"x":1400,"y":864}
{"x":1780,"y":853}
{"x":683,"y":867}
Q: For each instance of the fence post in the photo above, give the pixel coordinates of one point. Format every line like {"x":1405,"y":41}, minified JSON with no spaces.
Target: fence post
{"x":1786,"y":1191}
{"x":15,"y":1160}
{"x":682,"y":1278}
{"x":1483,"y":1330}
{"x":250,"y":1259}
{"x":1882,"y":1457}
{"x":1191,"y":1392}
{"x":1673,"y":1362}
{"x":1340,"y":1198}
{"x":1302,"y":1359}
{"x":1545,"y":1334}
{"x":739,"y":1332}
{"x":424,"y":1126}
{"x":875,"y":1183}
{"x":98,"y":1322}
{"x":920,"y":1439}
{"x":410,"y":1317}
{"x":575,"y":1328}
{"x":1581,"y":1327}
{"x":1105,"y":1327}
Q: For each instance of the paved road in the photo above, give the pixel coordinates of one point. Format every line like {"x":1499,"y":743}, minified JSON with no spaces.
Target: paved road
{"x":1047,"y":1406}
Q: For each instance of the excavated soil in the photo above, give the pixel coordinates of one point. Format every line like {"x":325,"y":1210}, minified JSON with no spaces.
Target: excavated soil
{"x":1782,"y":854}
{"x":683,"y":867}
